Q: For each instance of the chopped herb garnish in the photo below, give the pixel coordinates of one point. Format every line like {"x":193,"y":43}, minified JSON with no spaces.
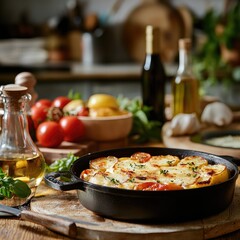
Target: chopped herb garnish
{"x":132,"y":180}
{"x":169,"y":163}
{"x":194,"y":169}
{"x":134,"y":165}
{"x":113,"y":180}
{"x":139,"y":165}
{"x":163,"y":171}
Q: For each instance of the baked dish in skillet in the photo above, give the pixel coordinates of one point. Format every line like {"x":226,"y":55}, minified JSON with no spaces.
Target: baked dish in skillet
{"x":141,"y":171}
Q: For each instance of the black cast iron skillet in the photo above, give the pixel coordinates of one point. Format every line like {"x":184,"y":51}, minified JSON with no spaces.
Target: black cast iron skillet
{"x":149,"y":206}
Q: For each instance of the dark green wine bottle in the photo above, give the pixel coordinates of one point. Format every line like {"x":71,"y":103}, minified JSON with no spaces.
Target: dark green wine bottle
{"x":153,"y":77}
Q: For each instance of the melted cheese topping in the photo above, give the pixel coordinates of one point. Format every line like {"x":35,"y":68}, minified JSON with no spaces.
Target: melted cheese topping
{"x":164,"y":172}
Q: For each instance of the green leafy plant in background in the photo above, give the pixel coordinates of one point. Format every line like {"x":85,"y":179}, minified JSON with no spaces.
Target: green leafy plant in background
{"x":231,"y":30}
{"x":74,"y":95}
{"x":143,"y":130}
{"x":209,"y":66}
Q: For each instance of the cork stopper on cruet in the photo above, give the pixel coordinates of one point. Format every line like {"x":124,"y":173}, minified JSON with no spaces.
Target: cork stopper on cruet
{"x":14,"y":93}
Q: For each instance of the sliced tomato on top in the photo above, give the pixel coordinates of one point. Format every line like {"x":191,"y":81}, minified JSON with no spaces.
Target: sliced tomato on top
{"x":144,"y":186}
{"x":153,"y":186}
{"x":142,"y":157}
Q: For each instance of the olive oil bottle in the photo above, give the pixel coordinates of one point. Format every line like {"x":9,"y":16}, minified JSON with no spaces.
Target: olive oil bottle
{"x":153,"y":77}
{"x":19,"y":156}
{"x":185,"y":87}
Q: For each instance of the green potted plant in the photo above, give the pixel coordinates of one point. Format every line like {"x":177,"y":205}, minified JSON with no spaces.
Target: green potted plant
{"x":217,"y":62}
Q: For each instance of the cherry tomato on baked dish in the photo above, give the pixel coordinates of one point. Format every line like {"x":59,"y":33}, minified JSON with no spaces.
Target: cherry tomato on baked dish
{"x":60,"y":101}
{"x":50,"y":134}
{"x":73,"y":128}
{"x":142,"y":157}
{"x":43,"y":102}
{"x":38,"y":114}
{"x":153,"y":186}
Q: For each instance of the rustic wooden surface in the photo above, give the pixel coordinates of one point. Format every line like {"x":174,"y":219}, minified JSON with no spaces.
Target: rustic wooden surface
{"x":185,"y":142}
{"x":79,"y":149}
{"x":15,"y":229}
{"x":67,"y":204}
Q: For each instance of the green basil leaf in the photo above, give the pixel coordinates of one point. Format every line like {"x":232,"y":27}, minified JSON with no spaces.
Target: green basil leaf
{"x":21,"y":189}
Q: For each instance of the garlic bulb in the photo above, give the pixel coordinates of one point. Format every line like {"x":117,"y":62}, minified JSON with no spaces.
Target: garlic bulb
{"x":217,"y":113}
{"x":183,"y":124}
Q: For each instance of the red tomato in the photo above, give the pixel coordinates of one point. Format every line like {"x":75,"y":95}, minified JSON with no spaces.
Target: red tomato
{"x":43,"y":102}
{"x":144,"y":186}
{"x":73,"y":128}
{"x":172,"y":186}
{"x":38,"y":114}
{"x":84,"y":111}
{"x":86,"y":172}
{"x":60,"y":102}
{"x":141,"y":157}
{"x":153,"y":186}
{"x":31,"y":128}
{"x":49,"y":134}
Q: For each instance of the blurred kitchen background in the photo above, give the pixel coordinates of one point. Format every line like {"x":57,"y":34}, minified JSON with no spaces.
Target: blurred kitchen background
{"x":99,"y":45}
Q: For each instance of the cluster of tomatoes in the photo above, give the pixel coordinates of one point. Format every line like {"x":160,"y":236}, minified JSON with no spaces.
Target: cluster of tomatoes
{"x":51,"y":126}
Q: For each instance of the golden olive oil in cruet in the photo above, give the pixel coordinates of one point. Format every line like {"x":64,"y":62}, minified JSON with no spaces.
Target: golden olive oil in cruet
{"x":185,"y":87}
{"x":19,"y":156}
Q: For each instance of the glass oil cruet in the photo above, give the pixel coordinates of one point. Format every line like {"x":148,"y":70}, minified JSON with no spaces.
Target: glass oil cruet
{"x":19,"y":156}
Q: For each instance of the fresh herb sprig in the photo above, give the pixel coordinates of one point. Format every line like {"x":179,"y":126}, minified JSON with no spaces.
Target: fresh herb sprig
{"x":62,"y":164}
{"x":143,"y":129}
{"x":10,"y":187}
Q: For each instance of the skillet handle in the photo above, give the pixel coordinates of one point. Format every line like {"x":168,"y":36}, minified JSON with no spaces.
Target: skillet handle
{"x":52,"y":180}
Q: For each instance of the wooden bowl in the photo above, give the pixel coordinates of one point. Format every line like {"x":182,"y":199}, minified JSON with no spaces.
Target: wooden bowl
{"x":107,"y":128}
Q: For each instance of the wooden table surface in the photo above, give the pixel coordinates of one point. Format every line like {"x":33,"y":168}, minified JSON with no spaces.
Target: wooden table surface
{"x":13,"y":228}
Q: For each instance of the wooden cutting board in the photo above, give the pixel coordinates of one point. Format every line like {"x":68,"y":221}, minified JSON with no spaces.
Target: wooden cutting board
{"x":66,"y":204}
{"x":78,"y":149}
{"x":185,"y":142}
{"x":157,"y":13}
